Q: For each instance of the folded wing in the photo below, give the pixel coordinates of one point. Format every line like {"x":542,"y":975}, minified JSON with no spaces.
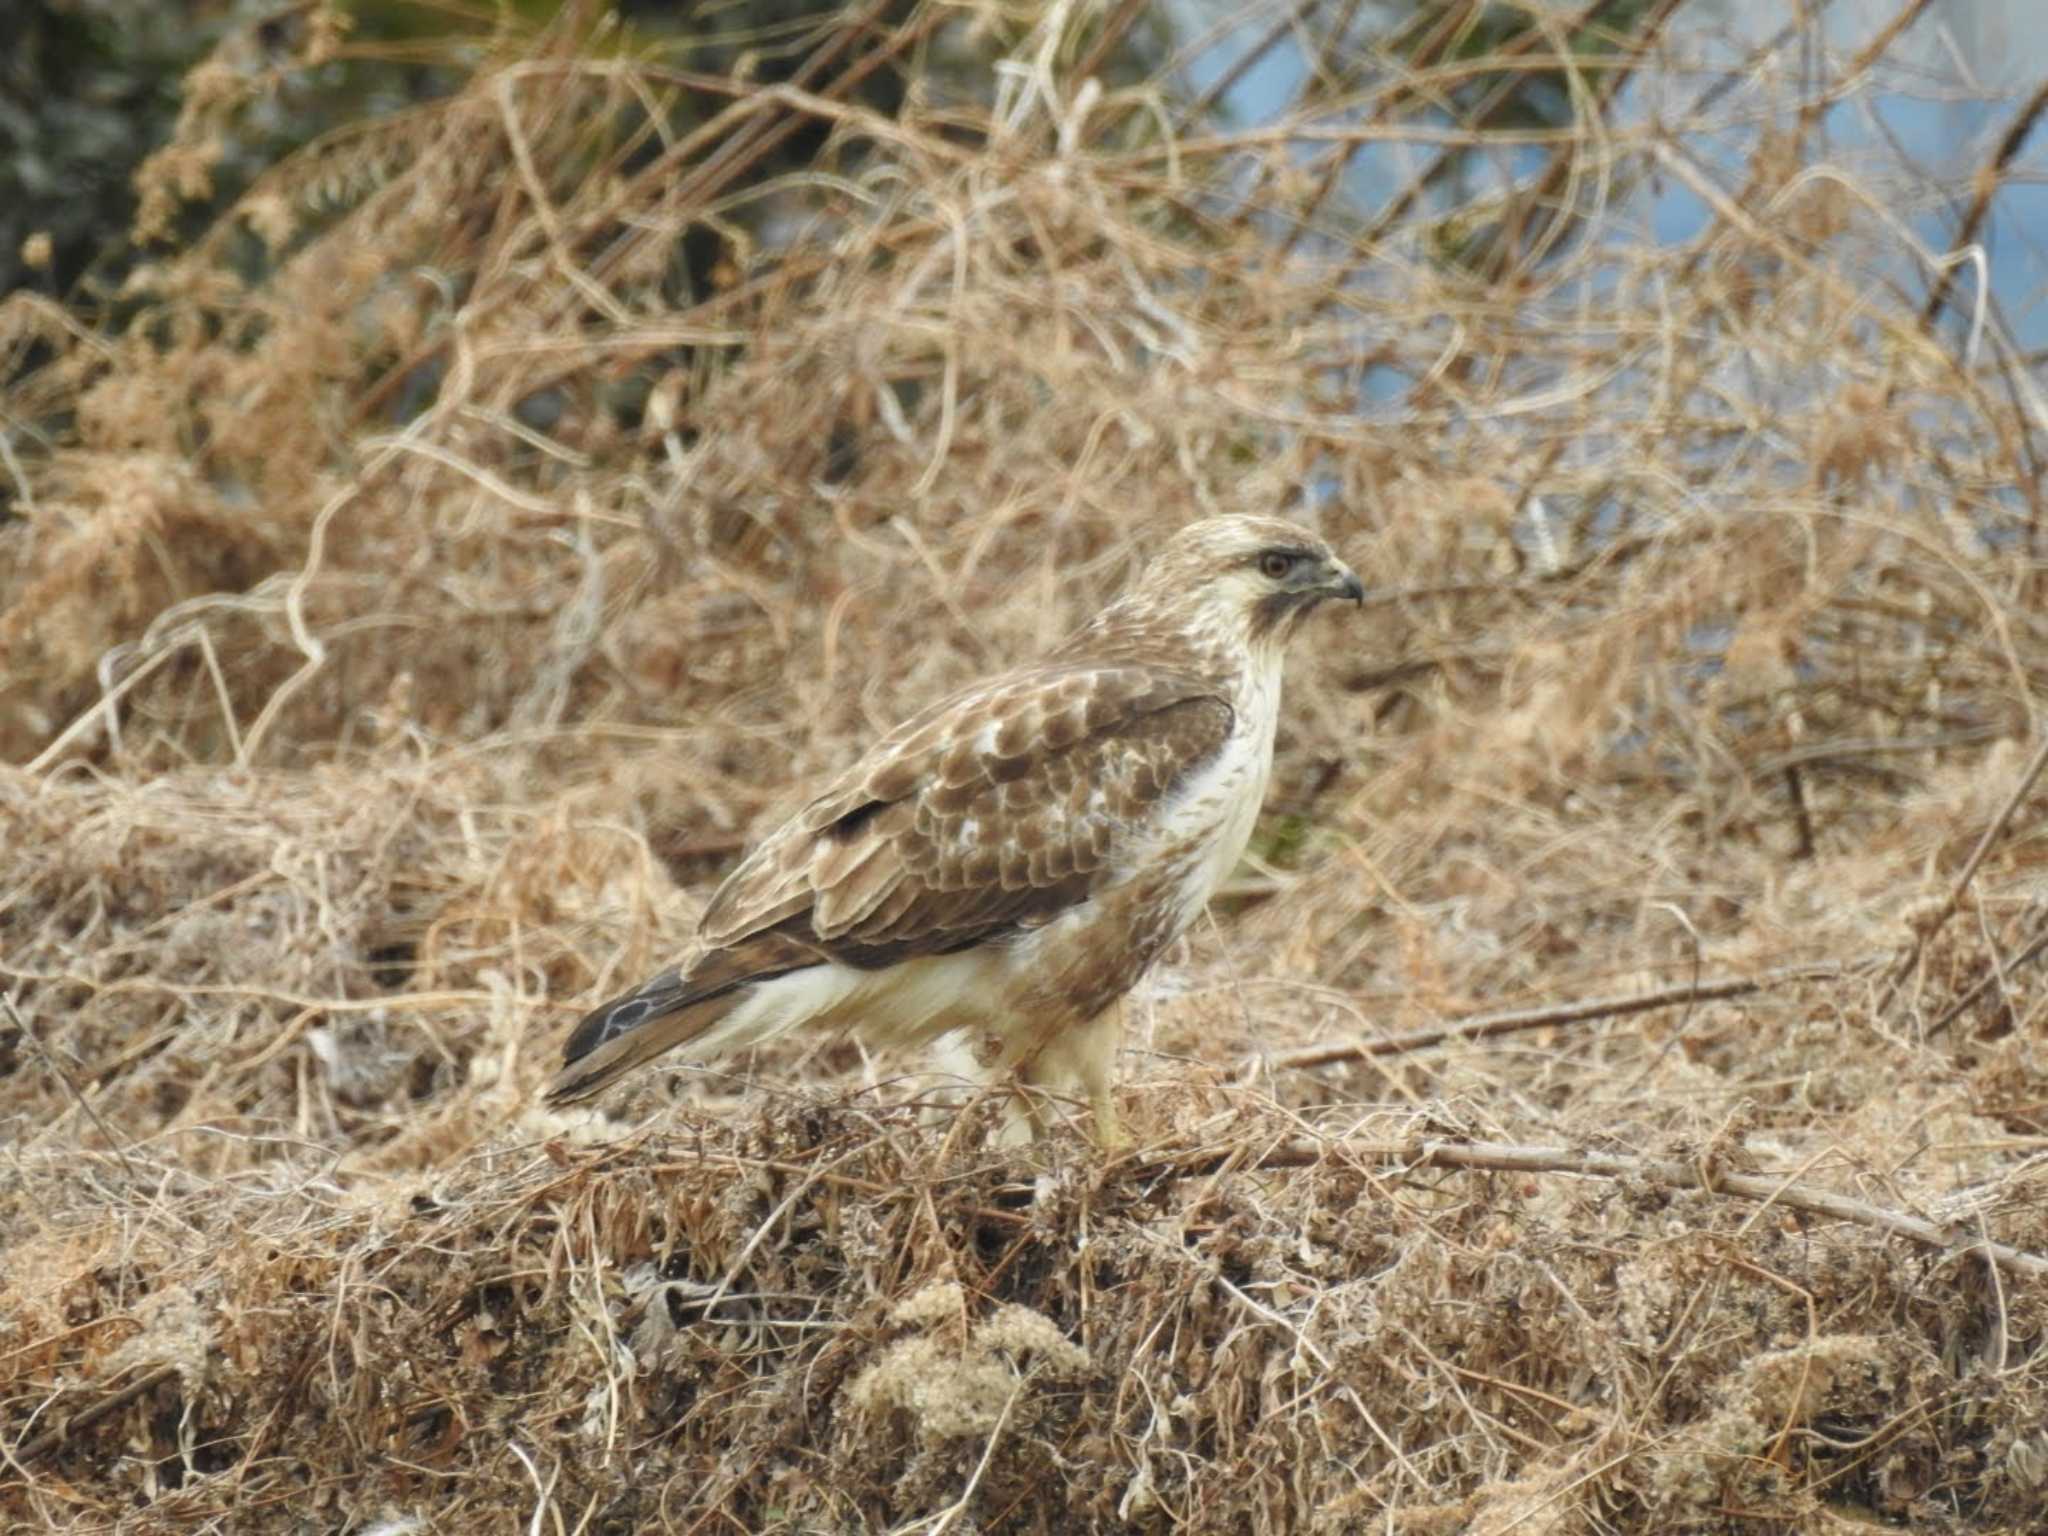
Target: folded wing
{"x":993,"y":812}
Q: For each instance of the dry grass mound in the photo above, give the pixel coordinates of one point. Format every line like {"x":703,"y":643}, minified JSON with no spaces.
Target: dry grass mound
{"x":1613,"y":1096}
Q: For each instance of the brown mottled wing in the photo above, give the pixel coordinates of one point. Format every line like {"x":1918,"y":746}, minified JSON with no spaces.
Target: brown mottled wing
{"x":991,"y":812}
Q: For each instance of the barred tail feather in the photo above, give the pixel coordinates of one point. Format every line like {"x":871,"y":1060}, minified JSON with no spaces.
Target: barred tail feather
{"x":714,"y":1007}
{"x":588,"y":1072}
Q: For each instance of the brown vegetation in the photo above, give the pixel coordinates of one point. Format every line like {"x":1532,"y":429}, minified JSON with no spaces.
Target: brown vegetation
{"x":400,"y":631}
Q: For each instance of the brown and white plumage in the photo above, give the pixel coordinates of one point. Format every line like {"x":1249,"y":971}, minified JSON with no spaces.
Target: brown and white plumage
{"x":1005,"y":865}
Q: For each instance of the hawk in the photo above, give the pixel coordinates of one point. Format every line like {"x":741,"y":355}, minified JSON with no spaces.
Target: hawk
{"x":1003,"y":867}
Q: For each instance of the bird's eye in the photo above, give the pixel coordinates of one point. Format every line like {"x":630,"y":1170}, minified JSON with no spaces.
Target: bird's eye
{"x":1275,"y":565}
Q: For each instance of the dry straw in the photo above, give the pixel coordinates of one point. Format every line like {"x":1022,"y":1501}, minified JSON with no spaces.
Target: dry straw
{"x":1611,"y":1099}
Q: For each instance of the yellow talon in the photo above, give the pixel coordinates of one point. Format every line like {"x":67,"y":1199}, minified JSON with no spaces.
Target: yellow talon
{"x":1109,"y":1132}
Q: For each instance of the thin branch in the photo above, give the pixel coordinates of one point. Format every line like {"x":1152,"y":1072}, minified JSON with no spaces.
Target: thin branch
{"x":1940,"y":919}
{"x":1498,"y":248}
{"x":1988,"y":181}
{"x":1486,"y":1025}
{"x":57,"y":1071}
{"x":1221,"y":86}
{"x":1109,"y":38}
{"x":50,"y":1439}
{"x":1991,"y":979}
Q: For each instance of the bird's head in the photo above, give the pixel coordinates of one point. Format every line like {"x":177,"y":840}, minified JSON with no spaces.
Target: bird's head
{"x":1247,"y":580}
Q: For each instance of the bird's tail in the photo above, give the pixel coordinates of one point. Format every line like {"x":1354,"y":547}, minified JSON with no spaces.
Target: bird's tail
{"x":677,"y":1007}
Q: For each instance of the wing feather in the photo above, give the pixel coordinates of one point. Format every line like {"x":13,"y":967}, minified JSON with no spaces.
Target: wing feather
{"x":992,"y":812}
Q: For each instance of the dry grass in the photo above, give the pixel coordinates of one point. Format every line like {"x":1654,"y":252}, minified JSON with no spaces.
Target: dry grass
{"x":400,"y":632}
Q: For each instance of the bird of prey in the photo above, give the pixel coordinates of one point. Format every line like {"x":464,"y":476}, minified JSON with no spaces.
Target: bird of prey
{"x":1003,"y":867}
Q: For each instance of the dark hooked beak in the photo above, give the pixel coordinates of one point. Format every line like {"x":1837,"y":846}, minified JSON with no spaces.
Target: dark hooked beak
{"x":1343,"y":583}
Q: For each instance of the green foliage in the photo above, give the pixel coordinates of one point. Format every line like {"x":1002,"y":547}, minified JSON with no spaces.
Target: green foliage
{"x":92,"y":89}
{"x":87,"y":88}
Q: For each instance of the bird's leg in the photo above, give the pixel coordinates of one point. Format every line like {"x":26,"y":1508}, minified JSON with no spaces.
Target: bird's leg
{"x":1109,"y":1131}
{"x":1033,"y":1110}
{"x":1095,"y":1058}
{"x":1083,"y":1056}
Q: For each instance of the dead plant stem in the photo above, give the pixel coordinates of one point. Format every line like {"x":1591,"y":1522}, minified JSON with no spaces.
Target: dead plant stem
{"x":1579,"y":1012}
{"x":1929,"y":929}
{"x":1672,"y":1173}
